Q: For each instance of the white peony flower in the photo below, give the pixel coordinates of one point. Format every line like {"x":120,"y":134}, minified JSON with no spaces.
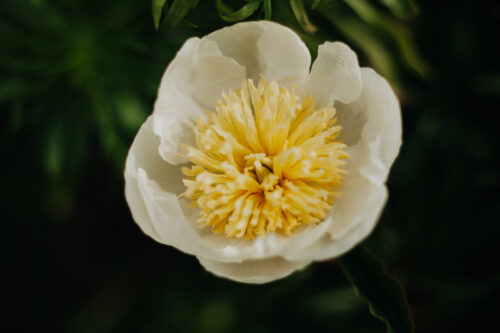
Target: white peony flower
{"x":254,"y":163}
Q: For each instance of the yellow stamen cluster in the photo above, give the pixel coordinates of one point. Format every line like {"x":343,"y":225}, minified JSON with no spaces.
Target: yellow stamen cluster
{"x":264,"y":162}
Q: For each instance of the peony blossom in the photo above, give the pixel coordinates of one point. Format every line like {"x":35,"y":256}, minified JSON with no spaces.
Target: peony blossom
{"x":257,"y":163}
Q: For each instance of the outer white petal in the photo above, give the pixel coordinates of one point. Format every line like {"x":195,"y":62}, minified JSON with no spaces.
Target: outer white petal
{"x":192,"y":82}
{"x":335,"y":75}
{"x":254,"y":271}
{"x":267,"y":48}
{"x":363,"y":218}
{"x":225,"y":249}
{"x":373,"y":126}
{"x":151,"y":190}
{"x":138,"y":207}
{"x":380,"y":130}
{"x":378,"y":145}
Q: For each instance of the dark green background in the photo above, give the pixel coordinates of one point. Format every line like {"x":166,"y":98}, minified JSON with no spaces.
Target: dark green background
{"x":77,"y":78}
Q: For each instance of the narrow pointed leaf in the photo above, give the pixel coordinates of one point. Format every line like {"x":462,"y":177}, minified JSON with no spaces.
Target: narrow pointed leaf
{"x":362,"y":35}
{"x":315,"y":4}
{"x":400,"y":34}
{"x":189,"y":24}
{"x":157,"y":11}
{"x":402,"y":8}
{"x":176,"y":13}
{"x":268,"y":11}
{"x":382,"y":293}
{"x":240,"y":14}
{"x":222,"y":8}
{"x":300,"y":13}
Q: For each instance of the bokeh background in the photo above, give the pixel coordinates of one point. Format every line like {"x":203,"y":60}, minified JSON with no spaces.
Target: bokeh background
{"x":77,"y":78}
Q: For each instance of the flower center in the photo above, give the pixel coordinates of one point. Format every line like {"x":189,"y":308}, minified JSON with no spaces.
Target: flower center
{"x":264,"y":162}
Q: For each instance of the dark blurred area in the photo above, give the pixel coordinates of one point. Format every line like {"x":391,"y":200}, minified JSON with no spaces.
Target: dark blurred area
{"x":77,"y":79}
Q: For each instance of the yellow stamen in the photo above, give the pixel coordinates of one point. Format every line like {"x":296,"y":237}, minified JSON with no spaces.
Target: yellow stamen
{"x":264,"y":162}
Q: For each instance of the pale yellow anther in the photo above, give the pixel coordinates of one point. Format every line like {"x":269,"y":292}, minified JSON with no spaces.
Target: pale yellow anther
{"x":264,"y":161}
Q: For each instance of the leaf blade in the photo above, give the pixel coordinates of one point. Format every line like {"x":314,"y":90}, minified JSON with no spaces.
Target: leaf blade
{"x":237,"y":15}
{"x":383,"y":294}
{"x":176,"y":13}
{"x":157,"y":8}
{"x":402,"y":8}
{"x":315,"y":4}
{"x":268,"y":11}
{"x":301,"y":15}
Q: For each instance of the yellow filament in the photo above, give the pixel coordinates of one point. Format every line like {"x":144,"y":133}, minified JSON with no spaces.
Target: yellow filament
{"x":264,"y":162}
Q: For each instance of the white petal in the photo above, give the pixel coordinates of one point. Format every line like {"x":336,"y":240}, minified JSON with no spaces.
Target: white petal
{"x":335,"y":75}
{"x":375,"y":150}
{"x":254,"y":271}
{"x":138,"y":207}
{"x":203,"y":68}
{"x":192,"y":82}
{"x":382,"y":96}
{"x":265,"y":48}
{"x":151,"y":190}
{"x":237,"y":250}
{"x":373,"y":127}
{"x":362,"y":218}
{"x":132,"y":192}
{"x":143,"y":154}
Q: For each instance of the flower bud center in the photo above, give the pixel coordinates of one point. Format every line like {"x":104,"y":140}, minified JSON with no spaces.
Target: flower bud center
{"x":264,"y":162}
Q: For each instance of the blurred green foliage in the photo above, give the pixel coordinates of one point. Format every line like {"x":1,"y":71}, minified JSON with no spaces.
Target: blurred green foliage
{"x":78,"y":77}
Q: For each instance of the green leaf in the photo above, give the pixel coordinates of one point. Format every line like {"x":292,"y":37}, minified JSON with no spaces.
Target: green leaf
{"x":222,"y":8}
{"x":157,"y":11}
{"x":267,"y":9}
{"x":402,"y":8}
{"x":176,"y":13}
{"x":383,"y":294}
{"x":229,"y":16}
{"x":189,"y":24}
{"x":315,"y":4}
{"x":301,"y":15}
{"x":363,"y":36}
{"x":399,"y":33}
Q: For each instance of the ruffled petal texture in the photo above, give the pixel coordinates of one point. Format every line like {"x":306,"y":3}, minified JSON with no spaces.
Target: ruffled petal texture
{"x":191,"y":83}
{"x":335,"y":75}
{"x":265,"y":48}
{"x":373,"y":126}
{"x":367,"y":110}
{"x":203,"y":68}
{"x":151,"y":190}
